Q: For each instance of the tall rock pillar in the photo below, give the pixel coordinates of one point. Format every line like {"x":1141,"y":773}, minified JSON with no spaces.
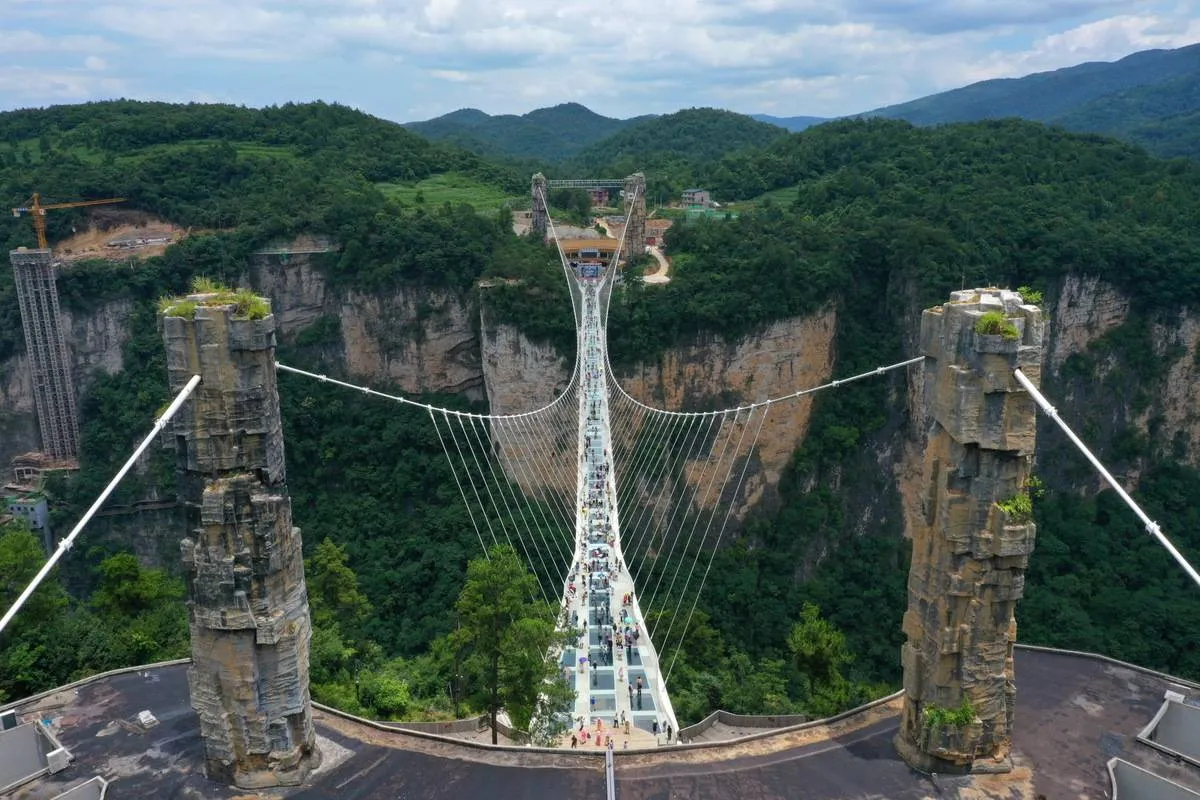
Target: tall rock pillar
{"x":540,"y":214}
{"x":969,"y":555}
{"x":247,"y":602}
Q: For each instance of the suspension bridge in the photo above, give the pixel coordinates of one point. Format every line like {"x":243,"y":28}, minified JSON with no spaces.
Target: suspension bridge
{"x":617,"y":507}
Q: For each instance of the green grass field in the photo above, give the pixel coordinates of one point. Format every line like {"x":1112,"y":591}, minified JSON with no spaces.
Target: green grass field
{"x":780,"y":197}
{"x":452,"y":188}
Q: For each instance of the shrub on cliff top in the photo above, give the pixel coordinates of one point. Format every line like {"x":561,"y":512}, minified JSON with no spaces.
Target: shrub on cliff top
{"x":207,"y":292}
{"x":995,"y":323}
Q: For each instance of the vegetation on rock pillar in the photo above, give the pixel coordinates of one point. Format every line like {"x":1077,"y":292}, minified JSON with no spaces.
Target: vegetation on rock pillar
{"x":994,"y":323}
{"x":246,"y":304}
{"x":935,"y":716}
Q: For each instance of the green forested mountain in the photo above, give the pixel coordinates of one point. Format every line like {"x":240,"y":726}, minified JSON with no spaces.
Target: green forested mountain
{"x":256,"y":174}
{"x":1045,"y":96}
{"x":674,"y":150}
{"x":1163,"y":117}
{"x":551,"y":134}
{"x":1148,"y":97}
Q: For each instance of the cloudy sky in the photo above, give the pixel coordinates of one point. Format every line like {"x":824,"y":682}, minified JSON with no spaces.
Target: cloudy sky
{"x":414,"y":59}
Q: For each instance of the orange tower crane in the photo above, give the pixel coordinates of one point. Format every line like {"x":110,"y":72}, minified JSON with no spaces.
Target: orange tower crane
{"x":34,"y":208}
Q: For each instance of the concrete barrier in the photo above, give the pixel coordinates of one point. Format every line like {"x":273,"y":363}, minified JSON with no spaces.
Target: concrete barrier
{"x":443,"y":727}
{"x":742,"y":721}
{"x":90,"y":679}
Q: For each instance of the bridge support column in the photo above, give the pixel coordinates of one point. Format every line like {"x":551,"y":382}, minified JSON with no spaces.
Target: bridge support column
{"x":247,"y":602}
{"x":540,"y":215}
{"x":972,"y":547}
{"x":635,"y":233}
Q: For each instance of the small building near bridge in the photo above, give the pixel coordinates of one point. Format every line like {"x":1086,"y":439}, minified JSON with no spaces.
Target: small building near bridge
{"x":696,"y":198}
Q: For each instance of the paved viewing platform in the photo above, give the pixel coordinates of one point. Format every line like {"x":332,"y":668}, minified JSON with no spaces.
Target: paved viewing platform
{"x":1074,"y":713}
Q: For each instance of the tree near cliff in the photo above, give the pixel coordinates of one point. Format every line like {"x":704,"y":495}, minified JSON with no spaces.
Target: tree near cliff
{"x":333,"y":593}
{"x":819,"y":653}
{"x":504,"y":636}
{"x":819,"y":649}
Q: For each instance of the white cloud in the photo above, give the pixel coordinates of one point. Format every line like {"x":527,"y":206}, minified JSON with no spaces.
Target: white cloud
{"x":629,"y":56}
{"x":41,"y":86}
{"x":25,"y":42}
{"x":1102,"y":40}
{"x":454,"y":76}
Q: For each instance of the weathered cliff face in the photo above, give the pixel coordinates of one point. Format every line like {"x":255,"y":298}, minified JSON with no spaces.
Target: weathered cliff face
{"x":18,"y":422}
{"x":1086,"y":309}
{"x":785,"y":357}
{"x":1177,"y":403}
{"x":96,"y":340}
{"x":421,"y":340}
{"x":428,"y":340}
{"x":520,"y":375}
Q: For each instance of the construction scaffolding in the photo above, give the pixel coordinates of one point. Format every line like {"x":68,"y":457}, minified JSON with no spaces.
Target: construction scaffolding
{"x":49,"y":361}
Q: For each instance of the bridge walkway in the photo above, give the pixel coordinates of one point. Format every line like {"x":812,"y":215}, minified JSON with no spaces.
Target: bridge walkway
{"x":613,"y":667}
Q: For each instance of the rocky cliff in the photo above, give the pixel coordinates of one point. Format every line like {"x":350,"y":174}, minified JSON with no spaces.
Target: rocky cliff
{"x":1115,"y":369}
{"x":786,"y":357}
{"x":707,"y":374}
{"x":421,"y":340}
{"x":430,"y":340}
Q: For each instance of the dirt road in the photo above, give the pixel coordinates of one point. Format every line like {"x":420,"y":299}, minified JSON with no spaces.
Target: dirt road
{"x":660,"y":275}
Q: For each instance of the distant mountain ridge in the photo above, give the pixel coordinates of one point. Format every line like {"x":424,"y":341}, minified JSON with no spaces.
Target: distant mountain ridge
{"x":793,"y":124}
{"x":1150,"y":98}
{"x":693,"y":135}
{"x":553,"y":133}
{"x":1046,"y":96}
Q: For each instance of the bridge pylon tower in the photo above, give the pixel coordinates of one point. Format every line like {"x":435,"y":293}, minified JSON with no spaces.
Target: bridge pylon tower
{"x":540,"y":215}
{"x":635,"y":221}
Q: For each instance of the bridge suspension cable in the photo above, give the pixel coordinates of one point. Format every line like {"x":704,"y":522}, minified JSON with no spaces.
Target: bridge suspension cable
{"x":417,"y":404}
{"x":1150,"y":525}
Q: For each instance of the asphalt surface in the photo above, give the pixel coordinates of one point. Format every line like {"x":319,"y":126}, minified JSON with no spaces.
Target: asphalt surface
{"x":1073,"y":714}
